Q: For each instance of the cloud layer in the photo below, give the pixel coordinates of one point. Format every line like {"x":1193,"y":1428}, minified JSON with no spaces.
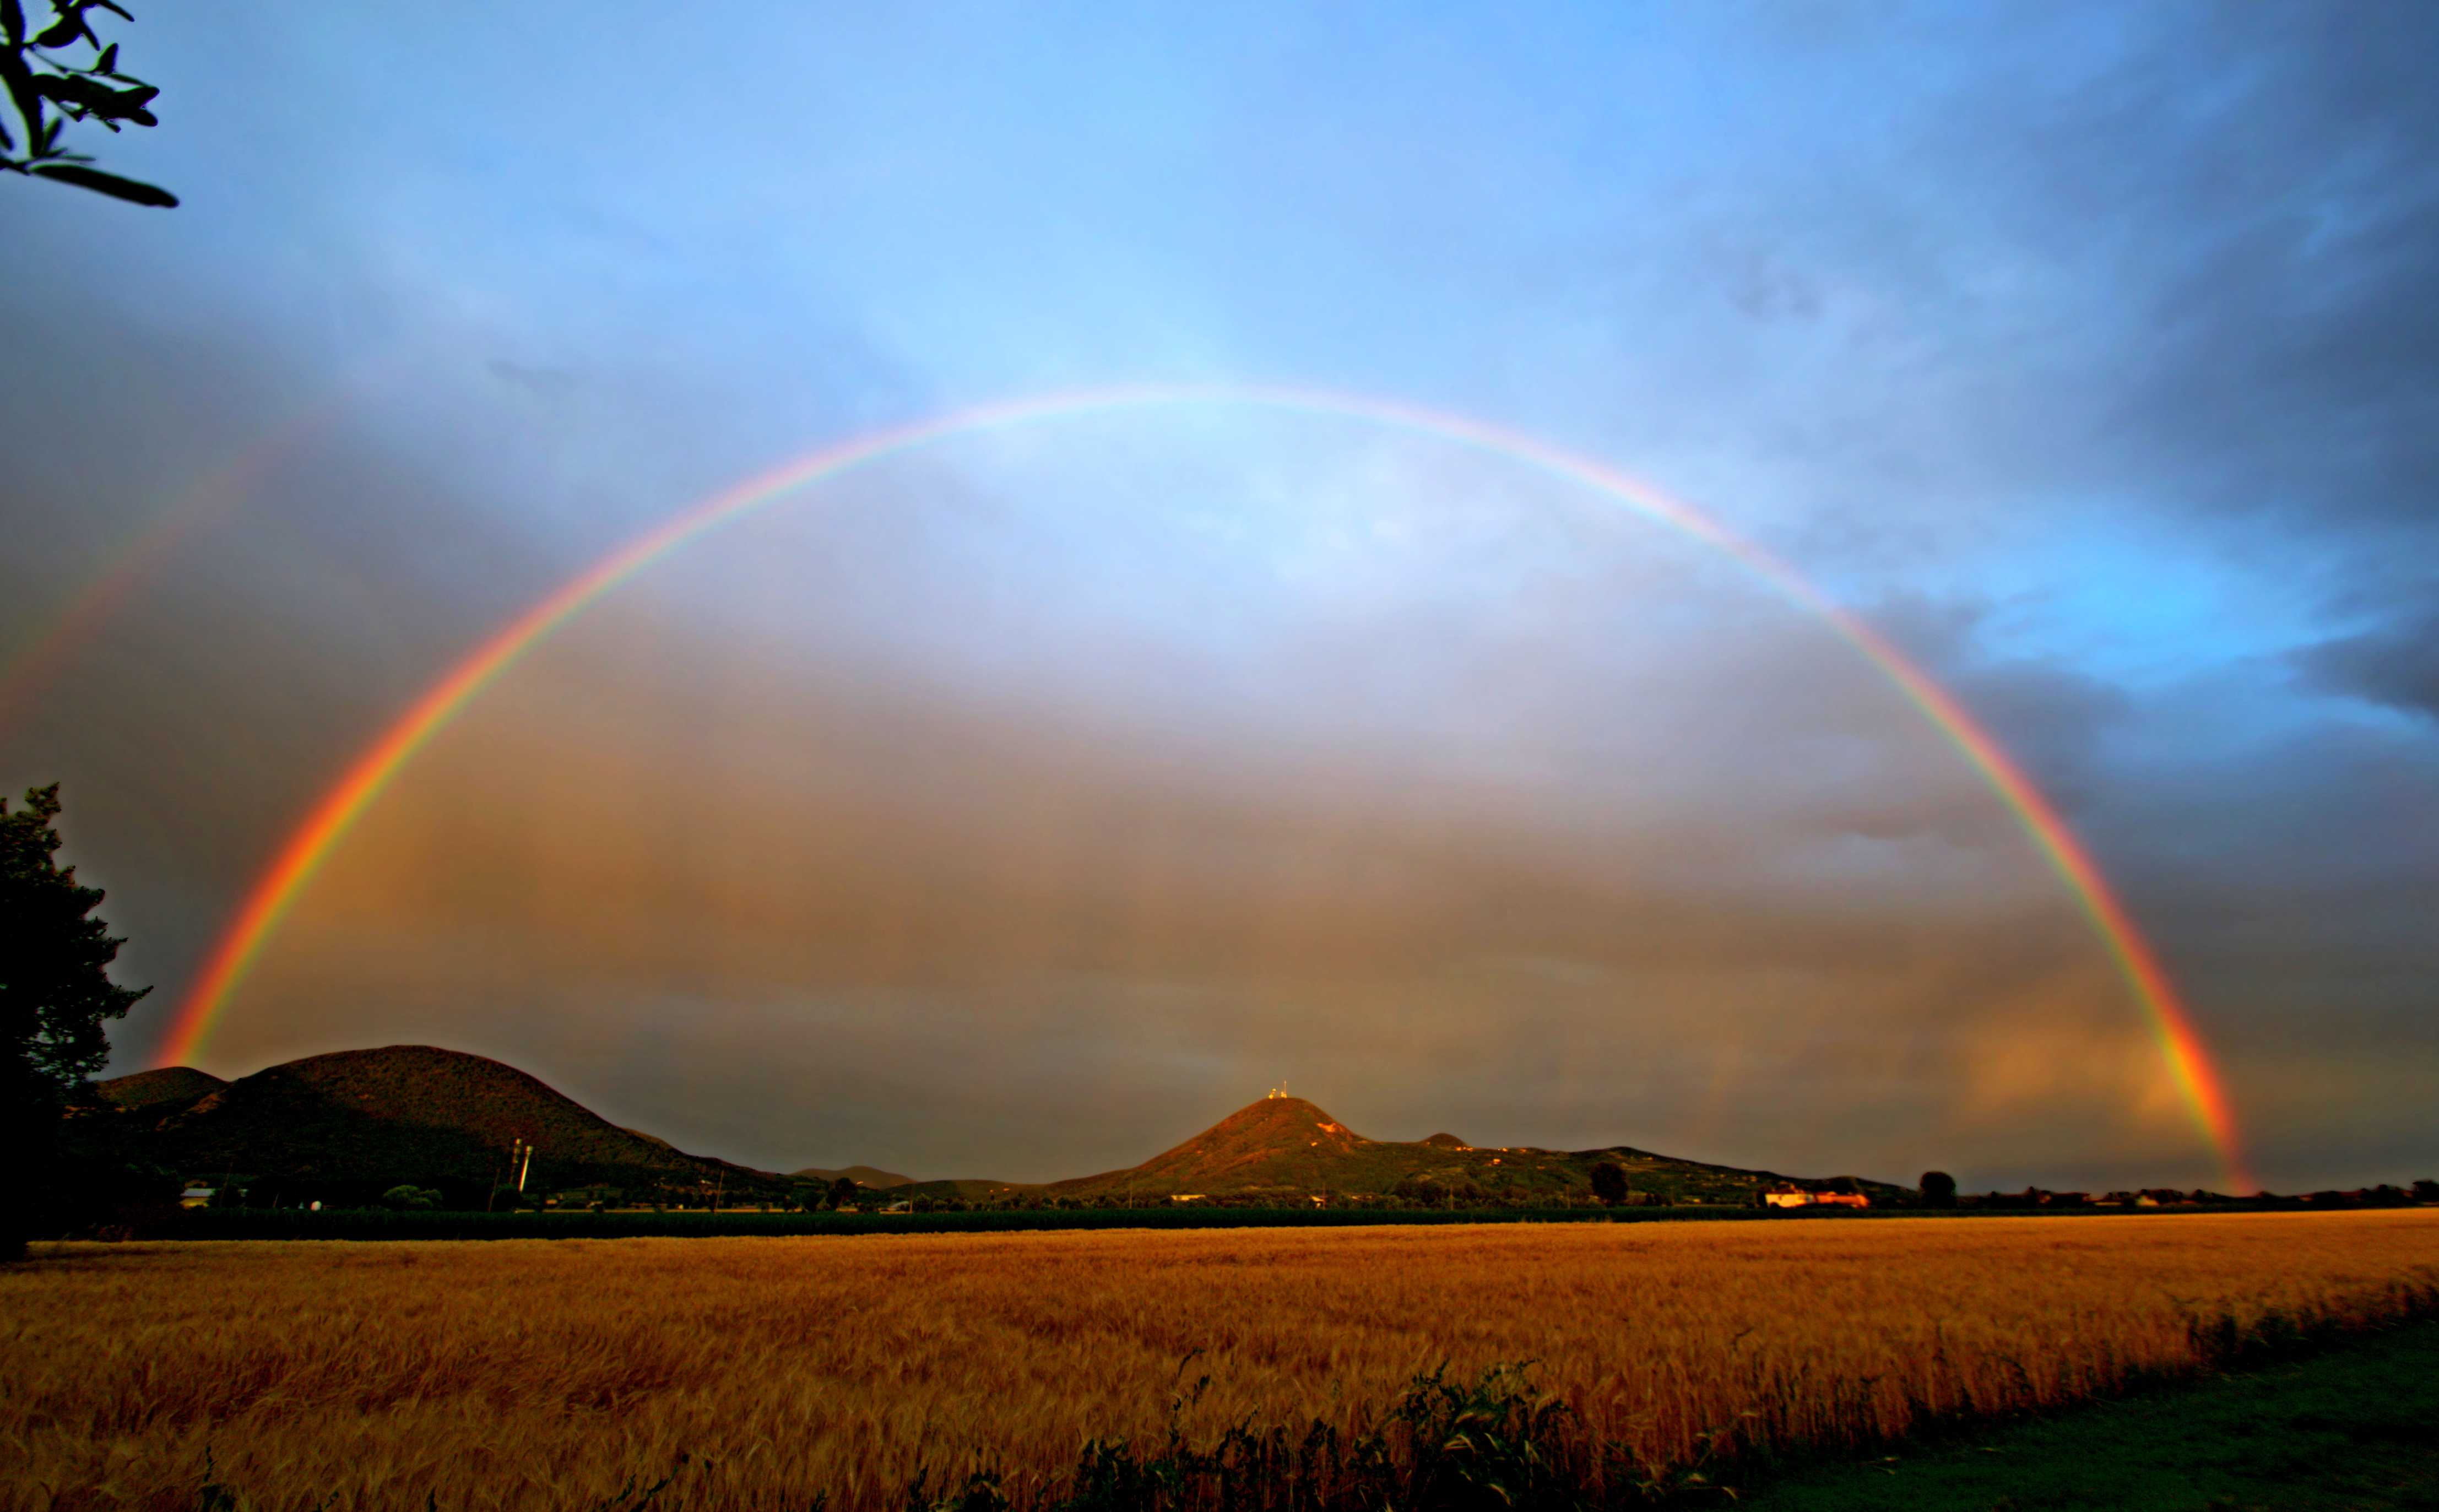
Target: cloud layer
{"x":1019,"y":807}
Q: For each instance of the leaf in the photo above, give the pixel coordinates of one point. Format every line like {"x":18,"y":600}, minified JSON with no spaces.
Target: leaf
{"x":83,"y":97}
{"x":14,"y":20}
{"x":110,"y":184}
{"x":108,"y":62}
{"x":61,"y":32}
{"x":120,"y":104}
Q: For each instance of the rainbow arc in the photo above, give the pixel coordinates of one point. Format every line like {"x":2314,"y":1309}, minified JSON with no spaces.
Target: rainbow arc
{"x":303,"y":853}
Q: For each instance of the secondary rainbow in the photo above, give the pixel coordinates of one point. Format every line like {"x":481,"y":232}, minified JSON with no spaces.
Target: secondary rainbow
{"x":221,"y":493}
{"x":225,"y":970}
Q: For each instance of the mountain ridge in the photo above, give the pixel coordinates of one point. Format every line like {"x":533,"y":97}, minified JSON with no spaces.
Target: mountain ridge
{"x":352,"y":1124}
{"x":1289,"y":1148}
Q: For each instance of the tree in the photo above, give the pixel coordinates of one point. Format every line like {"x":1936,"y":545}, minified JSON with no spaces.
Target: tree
{"x":46,"y":91}
{"x":55,"y":989}
{"x":1609,"y":1184}
{"x":843,"y":1191}
{"x":1938,"y":1189}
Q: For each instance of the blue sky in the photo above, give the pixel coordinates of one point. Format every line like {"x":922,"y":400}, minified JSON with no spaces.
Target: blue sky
{"x":2086,"y":351}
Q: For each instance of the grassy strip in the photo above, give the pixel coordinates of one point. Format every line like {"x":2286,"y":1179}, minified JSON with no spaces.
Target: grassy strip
{"x":382,"y":1223}
{"x":2353,"y":1427}
{"x":293,"y":1223}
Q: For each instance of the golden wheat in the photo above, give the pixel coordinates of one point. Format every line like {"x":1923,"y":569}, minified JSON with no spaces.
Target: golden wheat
{"x":547,"y":1375}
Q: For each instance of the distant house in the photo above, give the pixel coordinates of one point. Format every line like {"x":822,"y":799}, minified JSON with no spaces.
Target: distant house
{"x":196,"y":1197}
{"x":1786,"y":1194}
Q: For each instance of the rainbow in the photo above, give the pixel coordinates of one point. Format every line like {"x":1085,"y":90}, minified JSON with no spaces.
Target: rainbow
{"x":225,"y":969}
{"x":26,"y":672}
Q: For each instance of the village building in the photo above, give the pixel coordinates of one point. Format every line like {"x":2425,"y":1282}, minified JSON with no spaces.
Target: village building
{"x":1786,"y":1194}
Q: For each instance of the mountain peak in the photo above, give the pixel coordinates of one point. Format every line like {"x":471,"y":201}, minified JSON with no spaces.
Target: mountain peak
{"x":355,"y":1122}
{"x":163,"y":1084}
{"x":1279,"y":1141}
{"x":1279,"y":1111}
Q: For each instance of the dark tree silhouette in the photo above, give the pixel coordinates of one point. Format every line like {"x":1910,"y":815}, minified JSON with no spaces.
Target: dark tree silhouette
{"x":46,"y":91}
{"x":843,"y":1191}
{"x":55,"y":991}
{"x":1609,"y":1184}
{"x":1938,"y":1189}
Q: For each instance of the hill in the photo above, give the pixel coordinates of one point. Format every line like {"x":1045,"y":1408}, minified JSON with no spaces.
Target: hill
{"x":345,"y":1127}
{"x":1286,"y":1147}
{"x":150,"y":1089}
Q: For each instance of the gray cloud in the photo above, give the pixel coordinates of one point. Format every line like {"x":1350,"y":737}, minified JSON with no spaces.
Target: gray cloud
{"x":2089,"y":353}
{"x":2395,"y":666}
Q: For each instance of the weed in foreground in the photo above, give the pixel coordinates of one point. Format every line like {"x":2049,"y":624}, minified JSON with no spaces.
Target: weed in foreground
{"x":1488,"y":1445}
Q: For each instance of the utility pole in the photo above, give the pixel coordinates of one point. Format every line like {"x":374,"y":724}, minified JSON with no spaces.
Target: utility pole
{"x":516,"y":1149}
{"x":523,"y":1168}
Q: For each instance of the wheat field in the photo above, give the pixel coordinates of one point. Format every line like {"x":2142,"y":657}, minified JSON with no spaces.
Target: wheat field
{"x":756,"y":1372}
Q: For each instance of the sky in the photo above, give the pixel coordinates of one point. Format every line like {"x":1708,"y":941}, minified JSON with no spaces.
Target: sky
{"x":1022,"y":802}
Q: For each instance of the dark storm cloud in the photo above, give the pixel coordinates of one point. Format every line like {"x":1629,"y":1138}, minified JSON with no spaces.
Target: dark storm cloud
{"x":2395,"y":666}
{"x":2285,"y":345}
{"x":2253,"y":209}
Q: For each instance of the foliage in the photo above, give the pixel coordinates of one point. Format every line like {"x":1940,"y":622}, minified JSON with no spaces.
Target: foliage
{"x":55,"y":994}
{"x":1442,"y":1446}
{"x":1938,"y":1189}
{"x":1609,"y":1184}
{"x":408,"y":1198}
{"x":47,"y":91}
{"x":55,"y":987}
{"x":99,"y":1183}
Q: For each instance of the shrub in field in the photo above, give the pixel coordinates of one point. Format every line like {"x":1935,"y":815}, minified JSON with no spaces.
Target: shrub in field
{"x":1487,"y":1444}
